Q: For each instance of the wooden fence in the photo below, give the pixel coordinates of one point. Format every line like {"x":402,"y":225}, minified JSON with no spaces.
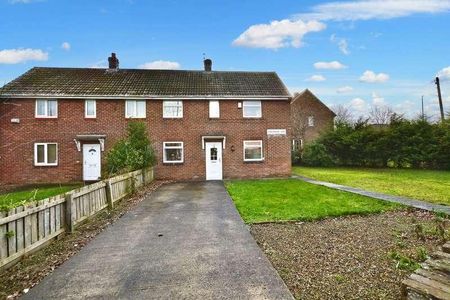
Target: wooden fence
{"x":26,"y":228}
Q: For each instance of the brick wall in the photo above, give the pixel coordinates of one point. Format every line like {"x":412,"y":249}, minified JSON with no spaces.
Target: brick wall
{"x":17,"y":140}
{"x":303,"y":106}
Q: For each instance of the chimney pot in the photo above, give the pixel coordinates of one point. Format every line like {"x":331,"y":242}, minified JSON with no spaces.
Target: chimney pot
{"x":208,"y":65}
{"x":113,"y":61}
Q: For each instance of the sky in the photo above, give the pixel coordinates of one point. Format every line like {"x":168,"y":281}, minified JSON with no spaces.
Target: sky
{"x":358,"y":54}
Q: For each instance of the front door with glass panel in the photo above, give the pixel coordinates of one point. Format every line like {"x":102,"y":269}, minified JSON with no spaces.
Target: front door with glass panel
{"x":213,"y":161}
{"x":91,"y":162}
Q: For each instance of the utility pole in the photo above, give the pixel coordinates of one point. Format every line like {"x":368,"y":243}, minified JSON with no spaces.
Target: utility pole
{"x":423,"y":113}
{"x":438,"y":84}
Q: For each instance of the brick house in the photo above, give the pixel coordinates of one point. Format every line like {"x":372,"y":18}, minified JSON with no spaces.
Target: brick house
{"x":309,"y":117}
{"x":56,"y":124}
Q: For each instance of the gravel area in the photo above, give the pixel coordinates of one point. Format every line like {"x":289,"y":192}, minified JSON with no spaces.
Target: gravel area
{"x":350,"y":257}
{"x":31,"y":270}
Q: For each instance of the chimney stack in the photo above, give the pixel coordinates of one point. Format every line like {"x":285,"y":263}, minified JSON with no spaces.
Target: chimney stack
{"x":113,"y":61}
{"x":208,"y":64}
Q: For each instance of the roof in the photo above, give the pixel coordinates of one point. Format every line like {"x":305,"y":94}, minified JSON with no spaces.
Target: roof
{"x":139,"y":83}
{"x":299,"y":96}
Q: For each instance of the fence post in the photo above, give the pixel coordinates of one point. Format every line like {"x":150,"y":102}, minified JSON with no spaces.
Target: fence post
{"x":109,"y":197}
{"x":69,"y":213}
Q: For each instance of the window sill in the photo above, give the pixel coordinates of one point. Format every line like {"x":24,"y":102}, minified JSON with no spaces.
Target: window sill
{"x":254,"y":161}
{"x":45,"y":118}
{"x":167,"y":163}
{"x":45,"y":165}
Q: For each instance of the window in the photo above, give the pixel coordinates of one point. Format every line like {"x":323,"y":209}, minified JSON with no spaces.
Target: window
{"x":297,"y":144}
{"x":311,"y":121}
{"x":252,"y":109}
{"x":45,"y":154}
{"x":46,"y":108}
{"x":135,"y":109}
{"x":214,"y":109}
{"x":172,"y":109}
{"x":173,"y":152}
{"x":90,"y":109}
{"x":253,"y":151}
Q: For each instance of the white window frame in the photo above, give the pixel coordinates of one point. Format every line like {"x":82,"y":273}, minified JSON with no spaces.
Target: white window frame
{"x":311,"y":121}
{"x":86,"y":109}
{"x":180,"y":103}
{"x":134,"y":116}
{"x":45,"y":163}
{"x":253,"y":159}
{"x":214,"y":109}
{"x":173,"y":147}
{"x":46,"y":109}
{"x":254,"y":103}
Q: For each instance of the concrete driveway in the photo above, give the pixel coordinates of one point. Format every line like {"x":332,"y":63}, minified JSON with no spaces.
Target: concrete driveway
{"x":184,"y":241}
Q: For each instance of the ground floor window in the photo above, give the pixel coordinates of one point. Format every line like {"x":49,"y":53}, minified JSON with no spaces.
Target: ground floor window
{"x":297,"y":145}
{"x":253,"y":150}
{"x":45,"y":154}
{"x":173,"y":152}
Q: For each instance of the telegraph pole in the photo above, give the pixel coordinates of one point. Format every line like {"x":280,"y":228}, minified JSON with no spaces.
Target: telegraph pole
{"x":440,"y":98}
{"x":423,"y":113}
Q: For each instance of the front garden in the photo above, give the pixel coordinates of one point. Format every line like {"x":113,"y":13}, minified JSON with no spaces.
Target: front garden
{"x":333,"y":244}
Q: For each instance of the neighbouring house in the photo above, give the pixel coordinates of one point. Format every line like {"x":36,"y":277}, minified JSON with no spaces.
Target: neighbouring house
{"x":56,"y":124}
{"x":309,"y":118}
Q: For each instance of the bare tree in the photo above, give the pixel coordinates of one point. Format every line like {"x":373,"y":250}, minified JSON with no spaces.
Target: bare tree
{"x":343,"y":114}
{"x":381,"y":115}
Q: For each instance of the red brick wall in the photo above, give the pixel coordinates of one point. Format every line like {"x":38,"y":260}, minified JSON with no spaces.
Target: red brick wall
{"x":307,"y":105}
{"x":17,"y":140}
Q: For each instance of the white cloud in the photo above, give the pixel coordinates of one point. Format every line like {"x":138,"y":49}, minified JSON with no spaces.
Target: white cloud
{"x":316,"y":78}
{"x":333,"y":65}
{"x":160,"y":64}
{"x":277,"y":34}
{"x":342,"y":44}
{"x":377,"y":100}
{"x":66,"y":46}
{"x":444,"y":74}
{"x":358,"y":105}
{"x":15,"y":56}
{"x":374,"y":9}
{"x":372,"y":77}
{"x":344,"y":89}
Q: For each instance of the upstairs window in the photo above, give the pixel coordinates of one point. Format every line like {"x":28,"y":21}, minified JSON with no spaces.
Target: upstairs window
{"x":90,"y":109}
{"x":135,"y":109}
{"x":251,"y":109}
{"x":172,"y":109}
{"x":214,"y":109}
{"x":311,"y":121}
{"x":46,"y":108}
{"x":45,"y":154}
{"x":253,"y":151}
{"x":173,"y":152}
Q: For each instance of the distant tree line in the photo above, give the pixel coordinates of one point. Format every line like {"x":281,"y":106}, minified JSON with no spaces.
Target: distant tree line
{"x":392,"y":141}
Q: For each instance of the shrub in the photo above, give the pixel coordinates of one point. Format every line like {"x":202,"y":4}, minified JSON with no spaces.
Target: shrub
{"x":133,"y":153}
{"x":316,"y":154}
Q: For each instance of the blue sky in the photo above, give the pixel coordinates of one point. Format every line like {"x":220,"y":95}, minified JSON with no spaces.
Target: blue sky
{"x":353,"y":53}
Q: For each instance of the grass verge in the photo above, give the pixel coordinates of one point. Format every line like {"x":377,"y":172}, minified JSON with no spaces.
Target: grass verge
{"x":22,"y":196}
{"x":427,"y":185}
{"x":290,"y":199}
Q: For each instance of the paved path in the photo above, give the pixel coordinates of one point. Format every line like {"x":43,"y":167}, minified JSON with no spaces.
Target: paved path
{"x":397,"y":199}
{"x":205,"y":252}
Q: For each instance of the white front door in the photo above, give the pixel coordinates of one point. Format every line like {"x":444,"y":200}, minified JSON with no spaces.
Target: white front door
{"x":91,"y":162}
{"x":213,"y":161}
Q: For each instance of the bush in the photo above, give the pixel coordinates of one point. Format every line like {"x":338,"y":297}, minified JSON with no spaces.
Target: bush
{"x":133,"y":153}
{"x":316,"y":155}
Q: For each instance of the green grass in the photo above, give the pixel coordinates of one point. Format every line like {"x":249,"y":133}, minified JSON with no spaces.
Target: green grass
{"x":430,"y":186}
{"x":291,"y":199}
{"x":19,"y":197}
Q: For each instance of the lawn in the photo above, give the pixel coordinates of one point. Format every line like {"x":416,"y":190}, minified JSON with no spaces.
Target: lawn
{"x":291,"y":199}
{"x":19,"y":197}
{"x":430,"y":186}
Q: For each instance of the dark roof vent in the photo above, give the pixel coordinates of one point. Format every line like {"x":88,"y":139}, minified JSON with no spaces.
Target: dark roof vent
{"x":208,"y":64}
{"x":113,"y":61}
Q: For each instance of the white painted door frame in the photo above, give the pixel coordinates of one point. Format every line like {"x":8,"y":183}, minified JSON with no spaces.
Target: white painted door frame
{"x":213,"y":159}
{"x":92,"y":162}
